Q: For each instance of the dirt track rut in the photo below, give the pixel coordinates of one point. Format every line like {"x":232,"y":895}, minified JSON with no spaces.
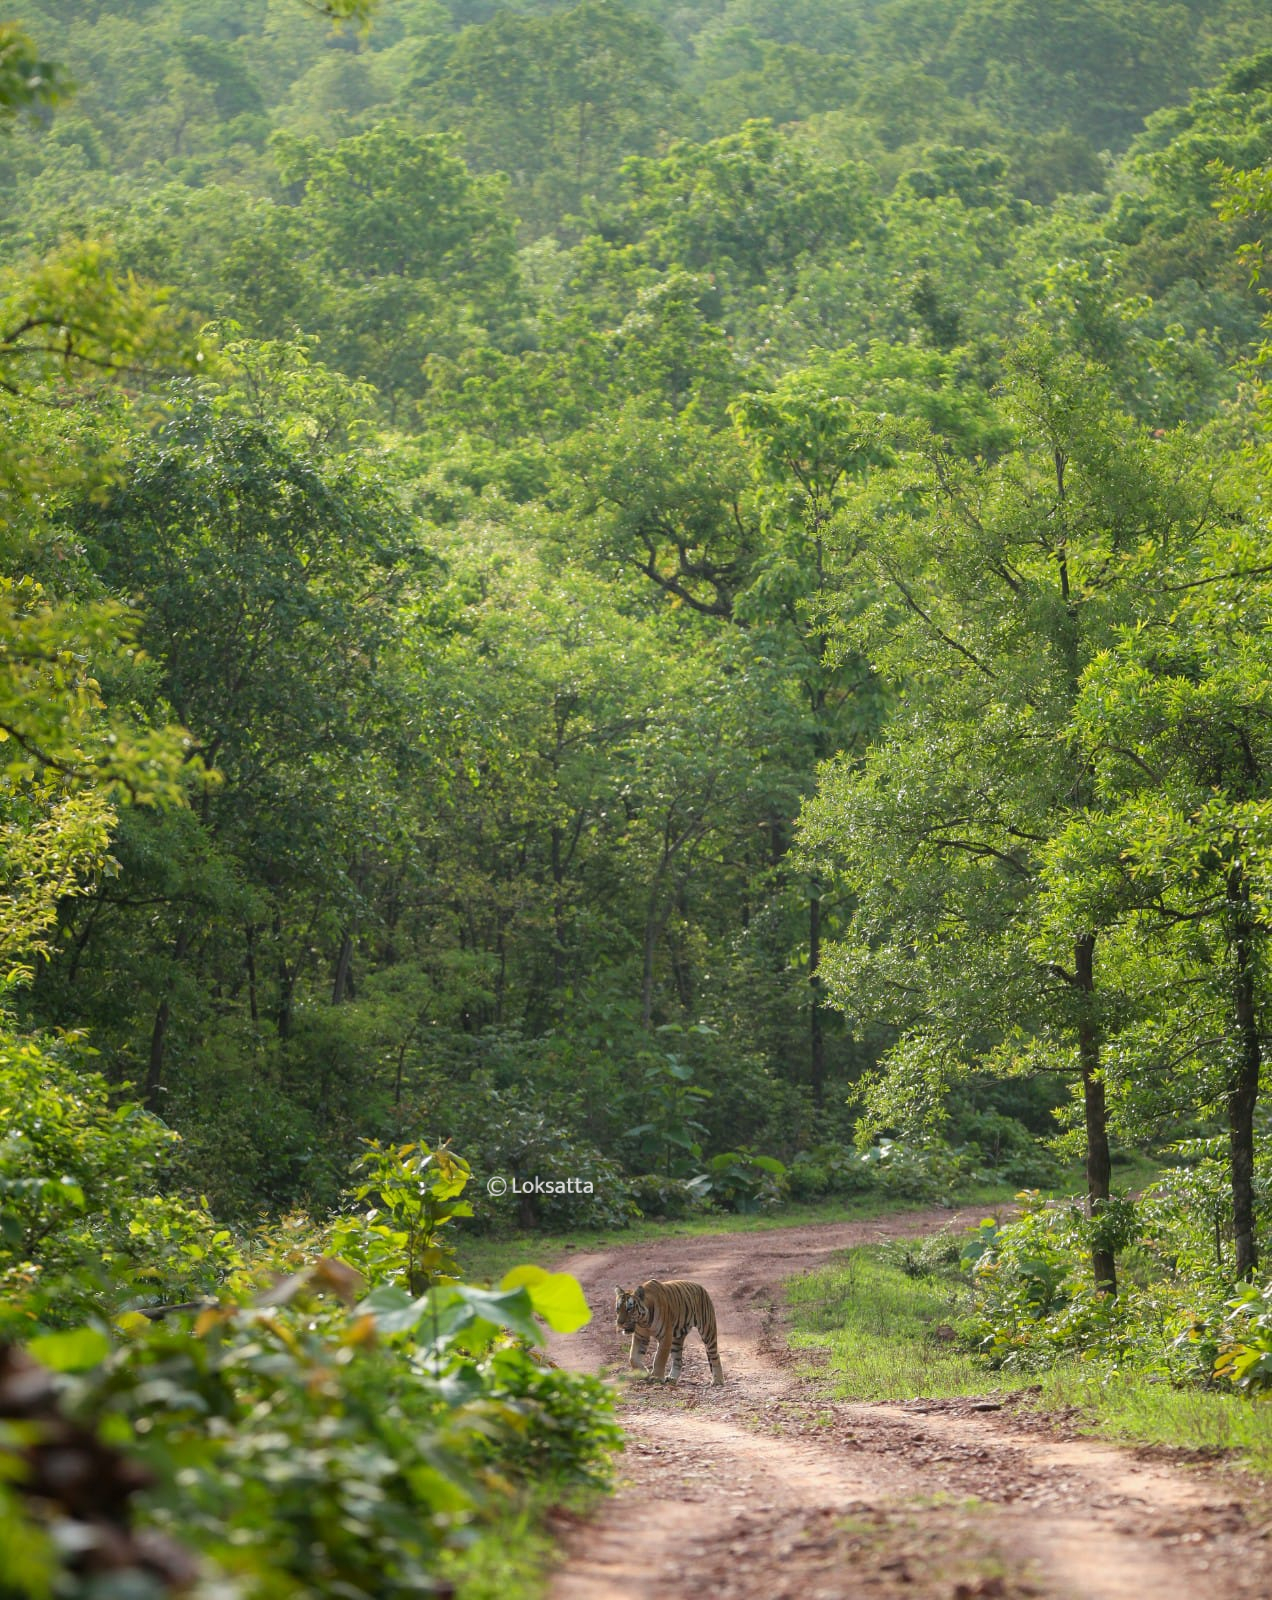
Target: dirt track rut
{"x":765,"y":1488}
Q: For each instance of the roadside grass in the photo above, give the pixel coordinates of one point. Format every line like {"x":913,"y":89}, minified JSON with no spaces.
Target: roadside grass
{"x":484,"y":1258}
{"x":884,"y":1332}
{"x":511,"y":1560}
{"x":879,"y":1326}
{"x":1135,"y":1407}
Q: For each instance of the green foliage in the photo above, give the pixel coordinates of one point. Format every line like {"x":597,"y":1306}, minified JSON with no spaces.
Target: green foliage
{"x":664,"y":1198}
{"x":888,"y":1332}
{"x":1177,"y":1319}
{"x":414,"y":1192}
{"x":349,"y":1449}
{"x":621,"y":433}
{"x":335,"y":1434}
{"x":80,"y":1225}
{"x":1244,"y":1341}
{"x":28,"y":85}
{"x":1006,"y":1149}
{"x":519,"y":1143}
{"x":740,"y":1180}
{"x":829,"y":1169}
{"x":670,"y":1099}
{"x":918,"y":1169}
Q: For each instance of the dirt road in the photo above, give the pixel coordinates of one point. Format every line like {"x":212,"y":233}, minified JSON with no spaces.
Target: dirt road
{"x":765,"y":1489}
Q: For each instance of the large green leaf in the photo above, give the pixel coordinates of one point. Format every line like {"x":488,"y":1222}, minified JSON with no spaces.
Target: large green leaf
{"x":556,"y":1297}
{"x":73,"y":1351}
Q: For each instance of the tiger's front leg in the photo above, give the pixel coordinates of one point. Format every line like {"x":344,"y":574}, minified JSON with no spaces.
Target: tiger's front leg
{"x":660,"y":1360}
{"x":636,"y":1355}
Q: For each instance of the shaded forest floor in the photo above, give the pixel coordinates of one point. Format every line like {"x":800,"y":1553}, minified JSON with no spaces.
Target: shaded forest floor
{"x":768,"y":1488}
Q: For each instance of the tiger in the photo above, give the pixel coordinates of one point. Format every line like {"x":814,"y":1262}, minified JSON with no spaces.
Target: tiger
{"x":666,"y":1312}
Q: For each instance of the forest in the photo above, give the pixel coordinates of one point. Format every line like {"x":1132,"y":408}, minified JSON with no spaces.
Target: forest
{"x":667,"y":596}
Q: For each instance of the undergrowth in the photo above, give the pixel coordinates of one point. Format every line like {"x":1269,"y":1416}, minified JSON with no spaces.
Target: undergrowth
{"x":903,"y":1321}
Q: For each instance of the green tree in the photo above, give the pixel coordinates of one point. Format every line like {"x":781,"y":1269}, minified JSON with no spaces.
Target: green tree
{"x":269,"y":580}
{"x":1174,"y":721}
{"x":557,"y":101}
{"x":416,"y":254}
{"x":994,"y":587}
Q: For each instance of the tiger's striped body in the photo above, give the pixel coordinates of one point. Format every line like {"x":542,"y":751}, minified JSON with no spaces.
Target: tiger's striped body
{"x":666,"y":1312}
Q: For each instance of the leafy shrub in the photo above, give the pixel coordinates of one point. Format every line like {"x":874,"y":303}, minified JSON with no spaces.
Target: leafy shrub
{"x":918,"y":1169}
{"x":656,"y":1196}
{"x":671,"y":1133}
{"x":517,"y":1142}
{"x":336,"y":1434}
{"x":1034,"y":1298}
{"x":396,"y":1239}
{"x":939,"y":1255}
{"x":80,"y":1223}
{"x":828,"y":1169}
{"x":1243,"y":1355}
{"x":1187,"y":1213}
{"x":249,"y":1138}
{"x":740,"y":1180}
{"x":1006,"y":1149}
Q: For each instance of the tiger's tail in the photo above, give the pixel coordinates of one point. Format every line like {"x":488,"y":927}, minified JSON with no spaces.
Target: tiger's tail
{"x":707,"y":1328}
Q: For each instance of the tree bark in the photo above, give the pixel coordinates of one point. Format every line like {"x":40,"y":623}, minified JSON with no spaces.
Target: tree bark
{"x":250,"y":942}
{"x":154,"y":1069}
{"x":340,"y":985}
{"x":816,"y":1024}
{"x":558,"y":913}
{"x":1243,"y":1086}
{"x":159,"y":1032}
{"x":1098,"y":1163}
{"x":647,"y":967}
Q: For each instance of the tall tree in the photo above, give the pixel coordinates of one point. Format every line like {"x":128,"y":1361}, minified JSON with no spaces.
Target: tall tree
{"x":995,"y":585}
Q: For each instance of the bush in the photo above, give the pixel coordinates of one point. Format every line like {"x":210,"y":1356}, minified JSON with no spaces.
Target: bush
{"x":828,"y":1169}
{"x":1008,"y":1151}
{"x":664,"y":1198}
{"x":1187,"y":1213}
{"x":515,"y":1142}
{"x":80,"y":1224}
{"x":337,"y":1434}
{"x":1033,"y":1294}
{"x":939,"y":1255}
{"x":918,"y":1169}
{"x":740,"y":1180}
{"x":1243,"y":1341}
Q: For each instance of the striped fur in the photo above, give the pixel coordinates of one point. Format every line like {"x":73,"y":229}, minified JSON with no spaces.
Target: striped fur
{"x":666,"y":1312}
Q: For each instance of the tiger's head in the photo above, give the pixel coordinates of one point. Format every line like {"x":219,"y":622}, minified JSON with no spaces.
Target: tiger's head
{"x":630,"y":1309}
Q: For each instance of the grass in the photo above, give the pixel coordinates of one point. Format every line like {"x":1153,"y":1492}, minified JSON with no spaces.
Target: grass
{"x":511,"y":1560}
{"x":879,"y":1326}
{"x":486,"y":1257}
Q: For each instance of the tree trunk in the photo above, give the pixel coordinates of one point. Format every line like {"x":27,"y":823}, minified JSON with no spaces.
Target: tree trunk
{"x":558,"y":913}
{"x":159,"y":1032}
{"x":286,"y":994}
{"x":1243,"y":1086}
{"x":1098,"y":1164}
{"x":816,"y":1035}
{"x":81,"y":940}
{"x":253,"y":1007}
{"x":647,"y":967}
{"x":340,"y":985}
{"x":154,"y":1069}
